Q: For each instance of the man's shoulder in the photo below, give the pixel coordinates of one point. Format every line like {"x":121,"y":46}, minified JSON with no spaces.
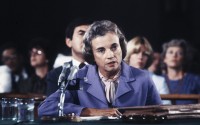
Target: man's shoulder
{"x":56,"y":70}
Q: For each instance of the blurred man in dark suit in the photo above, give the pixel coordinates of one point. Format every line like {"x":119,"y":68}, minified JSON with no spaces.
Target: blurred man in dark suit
{"x":74,"y":40}
{"x":12,"y":57}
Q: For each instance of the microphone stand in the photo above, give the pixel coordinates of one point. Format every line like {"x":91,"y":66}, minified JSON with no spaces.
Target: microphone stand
{"x":63,"y":87}
{"x":62,"y":99}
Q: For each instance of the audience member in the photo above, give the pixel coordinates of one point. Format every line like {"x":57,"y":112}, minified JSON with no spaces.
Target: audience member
{"x":14,"y":59}
{"x":39,"y":61}
{"x":5,"y":79}
{"x":139,"y":55}
{"x":155,"y":67}
{"x":74,"y":40}
{"x":178,"y":79}
{"x":107,"y":82}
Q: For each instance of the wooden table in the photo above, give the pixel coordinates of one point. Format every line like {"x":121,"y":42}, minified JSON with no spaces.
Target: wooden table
{"x":174,"y":97}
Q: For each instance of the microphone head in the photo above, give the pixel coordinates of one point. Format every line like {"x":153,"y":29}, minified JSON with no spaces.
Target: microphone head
{"x":66,"y":65}
{"x":73,"y":71}
{"x":62,"y":77}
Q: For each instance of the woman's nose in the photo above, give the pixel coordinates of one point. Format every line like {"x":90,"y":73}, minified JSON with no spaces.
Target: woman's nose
{"x":110,"y":54}
{"x":140,"y":54}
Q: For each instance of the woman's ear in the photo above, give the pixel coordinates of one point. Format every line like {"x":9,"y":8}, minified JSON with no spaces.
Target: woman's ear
{"x":68,"y":42}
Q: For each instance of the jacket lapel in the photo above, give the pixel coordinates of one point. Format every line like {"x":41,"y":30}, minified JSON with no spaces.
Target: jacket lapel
{"x":95,"y":88}
{"x":124,"y":81}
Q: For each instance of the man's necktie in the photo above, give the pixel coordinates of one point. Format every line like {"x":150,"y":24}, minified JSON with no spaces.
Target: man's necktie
{"x":81,"y":65}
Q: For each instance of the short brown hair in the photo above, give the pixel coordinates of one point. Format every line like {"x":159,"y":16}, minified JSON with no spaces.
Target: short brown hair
{"x":100,"y":28}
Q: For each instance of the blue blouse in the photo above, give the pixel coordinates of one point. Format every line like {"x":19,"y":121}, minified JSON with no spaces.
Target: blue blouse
{"x":190,"y":84}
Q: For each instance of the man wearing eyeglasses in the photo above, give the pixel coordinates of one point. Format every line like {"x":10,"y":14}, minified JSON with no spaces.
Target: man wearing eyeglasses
{"x":12,"y":58}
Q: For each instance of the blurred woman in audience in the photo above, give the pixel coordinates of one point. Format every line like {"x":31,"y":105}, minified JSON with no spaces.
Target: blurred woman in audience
{"x":178,"y":79}
{"x":39,"y":61}
{"x":139,"y":55}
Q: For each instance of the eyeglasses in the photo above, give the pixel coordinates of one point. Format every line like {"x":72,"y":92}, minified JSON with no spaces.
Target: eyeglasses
{"x":36,"y":52}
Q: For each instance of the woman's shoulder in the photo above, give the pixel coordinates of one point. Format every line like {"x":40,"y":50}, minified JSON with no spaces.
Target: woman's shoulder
{"x":84,"y":71}
{"x":158,"y":77}
{"x":192,"y":77}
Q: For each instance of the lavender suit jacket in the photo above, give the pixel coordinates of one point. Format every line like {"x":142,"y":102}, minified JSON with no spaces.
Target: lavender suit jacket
{"x":135,"y":88}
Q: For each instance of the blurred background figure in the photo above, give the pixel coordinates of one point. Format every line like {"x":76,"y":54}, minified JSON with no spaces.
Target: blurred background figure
{"x":174,"y":67}
{"x":193,"y":58}
{"x":155,"y":67}
{"x":5,"y":79}
{"x":61,"y":59}
{"x":139,"y":55}
{"x":73,"y":35}
{"x":39,"y":61}
{"x":74,"y":41}
{"x":12,"y":57}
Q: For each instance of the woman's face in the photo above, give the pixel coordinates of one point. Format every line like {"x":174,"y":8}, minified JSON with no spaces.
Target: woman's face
{"x":107,"y":53}
{"x":37,"y":57}
{"x":174,"y":57}
{"x":139,"y":59}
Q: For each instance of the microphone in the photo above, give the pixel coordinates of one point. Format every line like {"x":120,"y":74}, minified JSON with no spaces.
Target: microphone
{"x":72,"y":73}
{"x":61,"y":78}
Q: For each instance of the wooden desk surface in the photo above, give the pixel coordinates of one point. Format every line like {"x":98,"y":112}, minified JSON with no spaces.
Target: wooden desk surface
{"x":180,"y":96}
{"x":107,"y":122}
{"x":175,"y":97}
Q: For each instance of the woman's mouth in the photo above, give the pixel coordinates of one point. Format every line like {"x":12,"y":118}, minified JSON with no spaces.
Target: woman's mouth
{"x":111,"y":64}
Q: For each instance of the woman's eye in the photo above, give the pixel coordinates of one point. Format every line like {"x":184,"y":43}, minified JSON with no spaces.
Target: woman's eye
{"x":114,"y":47}
{"x":101,"y":50}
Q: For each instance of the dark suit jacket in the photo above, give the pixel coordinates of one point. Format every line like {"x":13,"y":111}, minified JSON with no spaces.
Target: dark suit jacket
{"x":52,"y":79}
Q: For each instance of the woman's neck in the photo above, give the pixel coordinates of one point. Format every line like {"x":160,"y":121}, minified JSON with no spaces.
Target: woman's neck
{"x":110,"y":75}
{"x":174,"y":74}
{"x":42,"y":71}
